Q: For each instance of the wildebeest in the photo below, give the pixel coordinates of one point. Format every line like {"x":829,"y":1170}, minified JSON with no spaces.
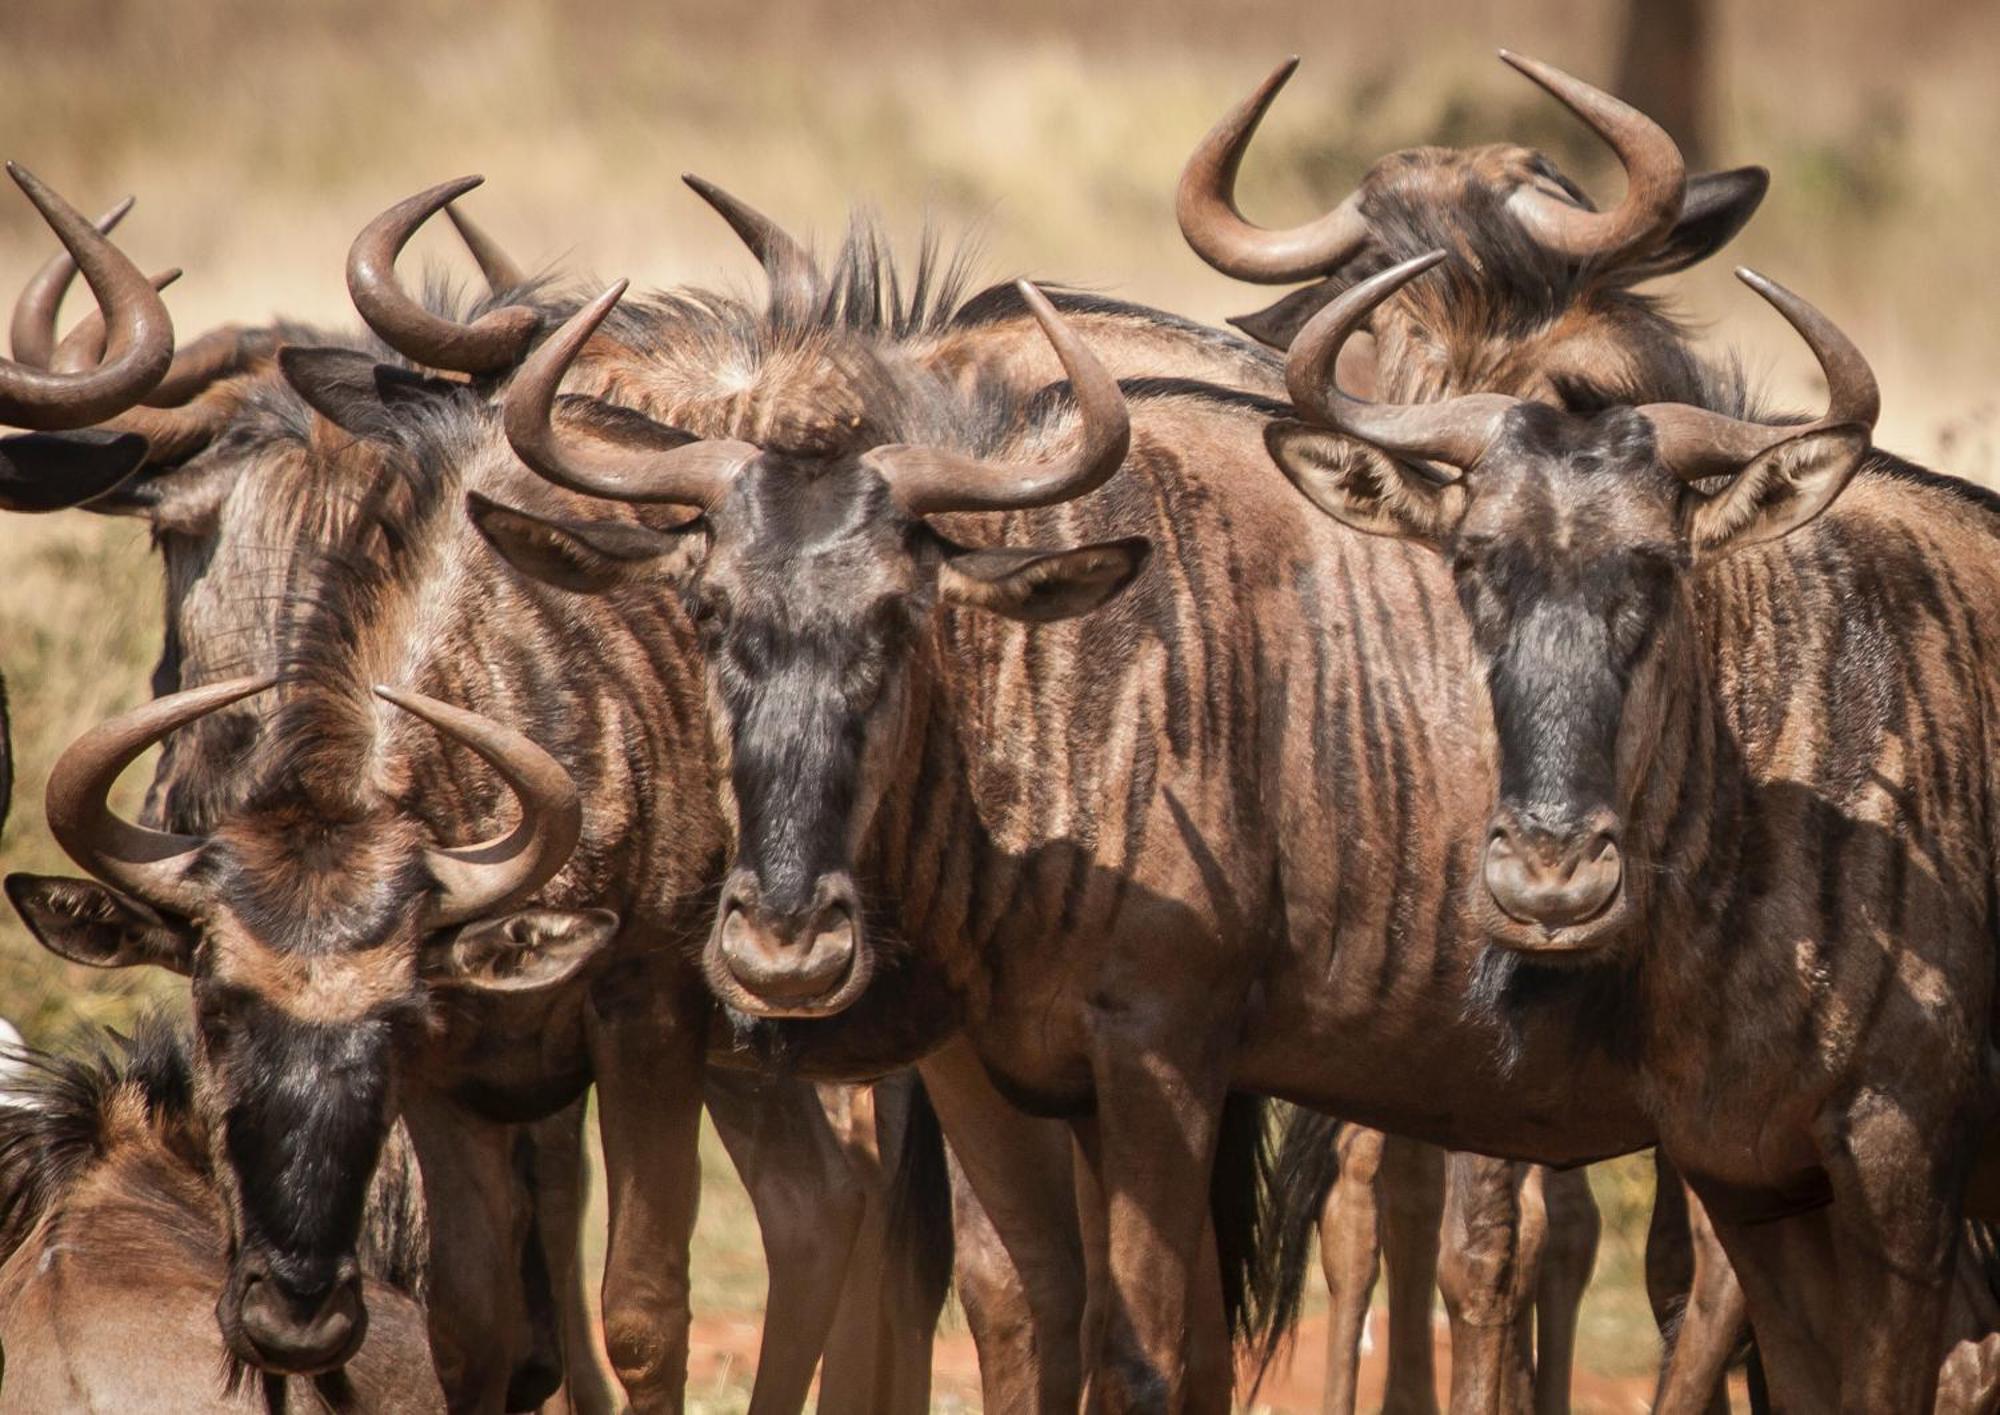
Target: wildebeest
{"x":1541,"y":305}
{"x":258,"y":505}
{"x":112,"y":1250}
{"x":1743,"y":748}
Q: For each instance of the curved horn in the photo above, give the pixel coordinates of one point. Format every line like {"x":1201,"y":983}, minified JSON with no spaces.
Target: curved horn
{"x":141,"y":342}
{"x":1205,"y":204}
{"x":149,"y":864}
{"x":1694,"y":443}
{"x":1456,"y":431}
{"x":33,"y":332}
{"x":172,"y":432}
{"x":224,"y":351}
{"x":476,"y":881}
{"x":676,"y":467}
{"x":490,"y":344}
{"x":789,"y":266}
{"x":1655,"y":177}
{"x":501,"y":273}
{"x":928,"y":480}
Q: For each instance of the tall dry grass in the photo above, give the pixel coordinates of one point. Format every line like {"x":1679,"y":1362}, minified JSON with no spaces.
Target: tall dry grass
{"x":259,"y":135}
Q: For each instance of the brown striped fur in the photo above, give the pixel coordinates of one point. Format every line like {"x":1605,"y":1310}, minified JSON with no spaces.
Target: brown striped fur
{"x":113,"y":1251}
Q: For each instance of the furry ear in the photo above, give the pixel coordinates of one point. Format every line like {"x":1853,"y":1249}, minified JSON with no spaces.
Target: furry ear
{"x":1360,"y":485}
{"x":89,"y":923}
{"x":1039,"y":586}
{"x":354,"y":392}
{"x":521,"y":952}
{"x":51,"y":471}
{"x":1279,"y":323}
{"x":1717,"y":206}
{"x":1779,"y":492}
{"x":587,"y":557}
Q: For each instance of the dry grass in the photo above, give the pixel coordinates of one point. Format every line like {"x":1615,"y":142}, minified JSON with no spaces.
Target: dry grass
{"x":259,"y":135}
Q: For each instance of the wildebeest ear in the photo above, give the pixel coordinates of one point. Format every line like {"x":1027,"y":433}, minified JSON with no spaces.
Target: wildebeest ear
{"x":86,"y":922}
{"x":1779,"y":492}
{"x":354,"y":392}
{"x":1279,"y":323}
{"x":50,"y":471}
{"x":523,"y":952}
{"x":1362,"y":486}
{"x":1717,"y":206}
{"x":588,"y":557}
{"x":1042,"y":585}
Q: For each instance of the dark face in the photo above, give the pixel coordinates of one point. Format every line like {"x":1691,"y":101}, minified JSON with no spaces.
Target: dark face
{"x":815,"y":596}
{"x":811,"y":596}
{"x":1570,"y":546}
{"x":1567,"y":561}
{"x":306,"y":996}
{"x":316,"y":981}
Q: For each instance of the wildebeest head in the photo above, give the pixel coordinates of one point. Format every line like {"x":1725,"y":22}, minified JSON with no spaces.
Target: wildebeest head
{"x":318,"y":933}
{"x":1540,"y":298}
{"x":1572,"y":540}
{"x":813,"y":574}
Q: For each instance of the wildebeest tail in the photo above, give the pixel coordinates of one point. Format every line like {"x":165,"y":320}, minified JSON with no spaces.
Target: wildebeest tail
{"x":920,"y":1242}
{"x":1302,"y":1175}
{"x":1236,"y":1205}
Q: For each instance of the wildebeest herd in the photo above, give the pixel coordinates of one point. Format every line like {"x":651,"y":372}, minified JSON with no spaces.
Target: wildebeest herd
{"x":986,"y":748}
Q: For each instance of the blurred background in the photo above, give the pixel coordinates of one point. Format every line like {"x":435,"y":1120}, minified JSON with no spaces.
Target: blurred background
{"x":259,"y":135}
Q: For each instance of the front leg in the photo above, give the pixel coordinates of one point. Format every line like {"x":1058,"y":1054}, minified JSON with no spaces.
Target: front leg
{"x":809,"y":1203}
{"x":1569,"y":1255}
{"x":648,"y":1043}
{"x":1898,"y":1183}
{"x":1412,"y":1198}
{"x":1350,"y":1246}
{"x":1159,"y":1108}
{"x":1490,"y":1251}
{"x":1697,"y":1300}
{"x":1020,"y":1268}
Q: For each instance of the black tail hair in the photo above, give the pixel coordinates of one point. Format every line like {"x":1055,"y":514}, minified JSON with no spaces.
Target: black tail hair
{"x":1307,"y":1164}
{"x":920,"y":1231}
{"x":1237,"y":1206}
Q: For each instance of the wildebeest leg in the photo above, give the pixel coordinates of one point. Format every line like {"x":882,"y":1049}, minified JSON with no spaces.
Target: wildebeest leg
{"x":1790,"y":1284}
{"x":1159,"y":1107}
{"x":648,"y":1043}
{"x":1568,"y":1256}
{"x":481,"y":1328}
{"x":1020,"y":1251}
{"x":1210,"y":1373}
{"x":1412,"y":1206}
{"x":1696,"y":1300}
{"x":878,"y":1353}
{"x":1350,"y":1240}
{"x":809,"y":1201}
{"x":562,"y":1187}
{"x":1897,"y":1184}
{"x":1485,"y":1270}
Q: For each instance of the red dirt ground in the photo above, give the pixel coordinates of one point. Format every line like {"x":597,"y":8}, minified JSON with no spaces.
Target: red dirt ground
{"x":725,"y":1350}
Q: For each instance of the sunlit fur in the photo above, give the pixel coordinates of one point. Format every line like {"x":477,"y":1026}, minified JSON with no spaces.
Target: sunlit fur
{"x":348,"y":562}
{"x":112,"y":1234}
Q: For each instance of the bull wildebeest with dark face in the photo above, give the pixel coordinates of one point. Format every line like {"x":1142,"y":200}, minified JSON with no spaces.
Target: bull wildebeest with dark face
{"x":111,"y":1250}
{"x":1539,"y":304}
{"x":1744,"y":749}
